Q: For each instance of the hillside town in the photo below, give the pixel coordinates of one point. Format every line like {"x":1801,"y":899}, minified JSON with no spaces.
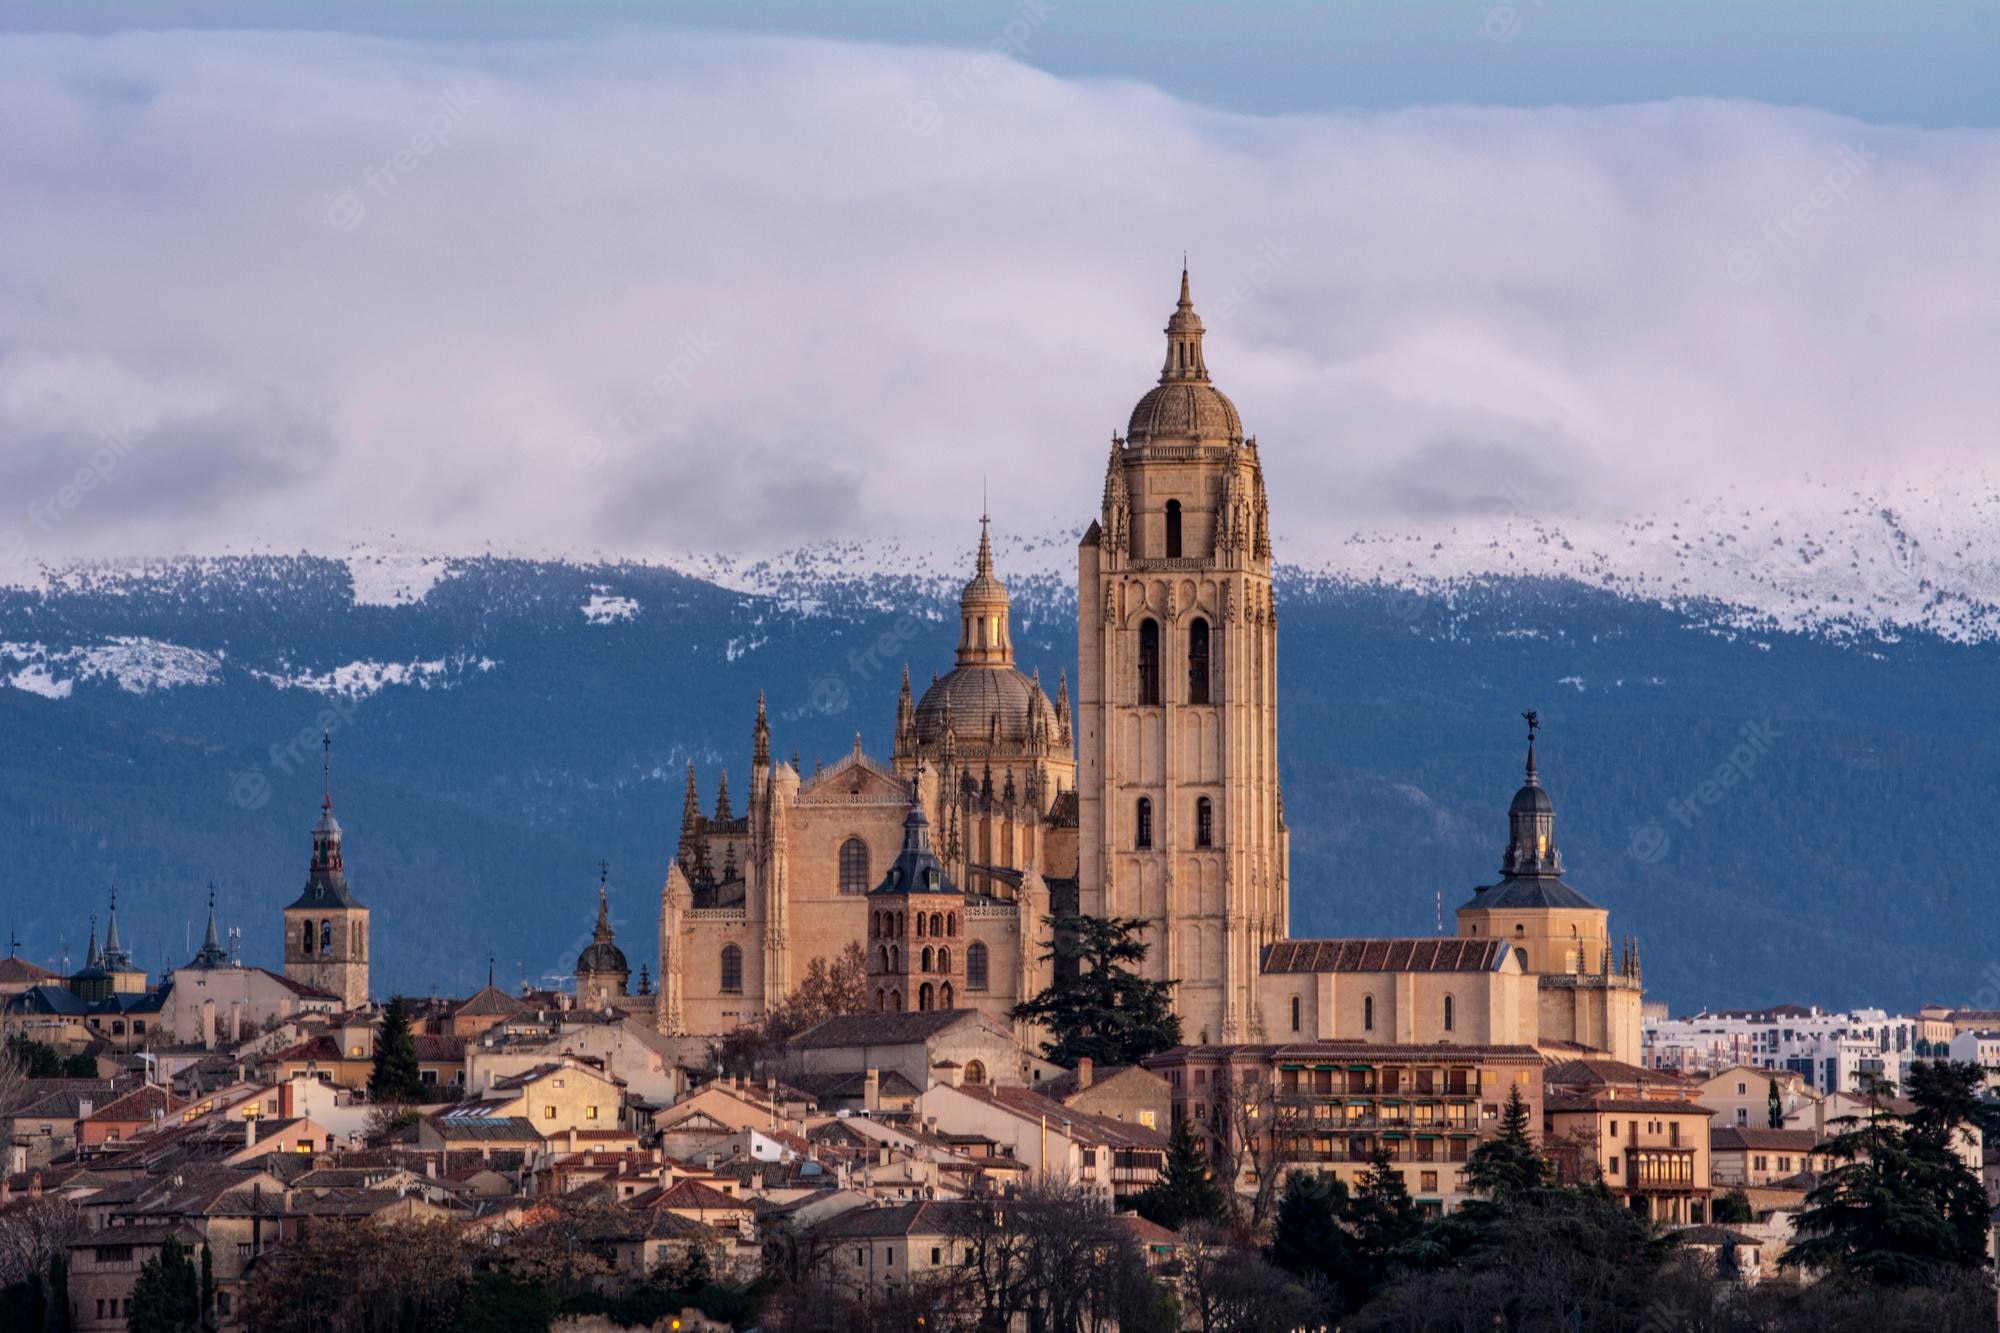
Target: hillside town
{"x":1006,"y":1029}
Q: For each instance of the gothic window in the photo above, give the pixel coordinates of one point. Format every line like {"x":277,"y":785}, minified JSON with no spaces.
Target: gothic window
{"x":1149,"y":661}
{"x":1204,"y":822}
{"x":944,"y":960}
{"x":975,"y":1072}
{"x":924,"y":997}
{"x":1173,"y":528}
{"x":920,"y":925}
{"x":1368,"y":1013}
{"x":1297,"y":1006}
{"x":881,"y":1001}
{"x":951,"y":925}
{"x":937,"y":925}
{"x":854,"y":866}
{"x":975,"y":966}
{"x":732,"y":970}
{"x":306,"y":938}
{"x":1145,"y":814}
{"x":1198,"y":661}
{"x":944,"y":996}
{"x":326,"y":937}
{"x":926,"y":960}
{"x":884,"y":955}
{"x":1449,"y":1016}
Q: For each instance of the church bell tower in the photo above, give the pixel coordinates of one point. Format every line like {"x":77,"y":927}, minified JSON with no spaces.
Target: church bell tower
{"x":326,"y":929}
{"x":1181,"y":820}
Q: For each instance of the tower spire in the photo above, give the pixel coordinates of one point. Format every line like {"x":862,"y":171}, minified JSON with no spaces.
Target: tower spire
{"x":1185,"y":364}
{"x":761,"y":736}
{"x":326,"y":769}
{"x":1534,"y":721}
{"x":985,"y":635}
{"x":211,"y":954}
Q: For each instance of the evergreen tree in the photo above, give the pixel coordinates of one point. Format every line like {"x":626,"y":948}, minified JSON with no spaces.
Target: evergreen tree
{"x":1384,"y":1220}
{"x":1099,"y":1006}
{"x":167,"y":1296}
{"x":1901,"y":1204}
{"x":1308,"y":1239}
{"x":207,"y":1287}
{"x":396,"y":1077}
{"x":1186,"y":1191}
{"x":1733,"y":1209}
{"x":58,"y":1317}
{"x":1507,"y":1164}
{"x":1776,"y":1108}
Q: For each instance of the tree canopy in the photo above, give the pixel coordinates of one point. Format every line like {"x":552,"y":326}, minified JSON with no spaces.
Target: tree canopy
{"x":1099,"y":1007}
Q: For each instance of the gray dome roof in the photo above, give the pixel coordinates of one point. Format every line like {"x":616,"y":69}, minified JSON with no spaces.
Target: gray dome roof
{"x":978,"y":695}
{"x":602,"y":956}
{"x":1532,"y":800}
{"x":1193,"y":410}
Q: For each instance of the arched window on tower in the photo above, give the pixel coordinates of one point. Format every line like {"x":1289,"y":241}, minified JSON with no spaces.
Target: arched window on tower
{"x":975,"y":966}
{"x":732,"y":970}
{"x":920,"y":925}
{"x":951,"y":925}
{"x":883,"y":958}
{"x":924,"y":997}
{"x":1173,"y":528}
{"x":854,"y":866}
{"x":1149,"y":661}
{"x":326,"y":936}
{"x":1198,"y":661}
{"x":937,"y":925}
{"x":306,"y":938}
{"x":945,"y":996}
{"x":944,"y":960}
{"x":1204,"y":822}
{"x":1144,"y":837}
{"x":926,"y":961}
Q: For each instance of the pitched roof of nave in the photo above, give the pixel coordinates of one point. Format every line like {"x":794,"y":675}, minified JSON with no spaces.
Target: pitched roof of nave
{"x":846,"y":776}
{"x":1442,"y":953}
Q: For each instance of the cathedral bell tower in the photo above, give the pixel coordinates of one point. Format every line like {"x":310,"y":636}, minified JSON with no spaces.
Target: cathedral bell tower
{"x":326,"y":929}
{"x":1181,"y":820}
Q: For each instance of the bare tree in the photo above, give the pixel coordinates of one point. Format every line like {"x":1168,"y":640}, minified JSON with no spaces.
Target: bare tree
{"x":1247,"y":1141}
{"x":32,"y":1232}
{"x":996,"y":1259}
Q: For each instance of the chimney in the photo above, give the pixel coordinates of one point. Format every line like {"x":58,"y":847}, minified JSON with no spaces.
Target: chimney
{"x":287,"y":1100}
{"x":871,"y":1090}
{"x":1083,"y":1074}
{"x":249,"y":1131}
{"x":84,"y":1106}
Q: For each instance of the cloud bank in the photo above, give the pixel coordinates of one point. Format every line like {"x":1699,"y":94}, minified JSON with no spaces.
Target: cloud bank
{"x":699,"y":292}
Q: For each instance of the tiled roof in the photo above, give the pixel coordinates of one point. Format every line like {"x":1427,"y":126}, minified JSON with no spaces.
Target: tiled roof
{"x":693,"y":1194}
{"x":1635,"y":1105}
{"x":1032,"y":1105}
{"x":1601,"y":1072}
{"x":20,"y":972}
{"x":490,"y":1000}
{"x":896,"y":1219}
{"x":1426,"y":954}
{"x":438,"y":1050}
{"x":881,"y":1029}
{"x":1732,"y":1138}
{"x":138,"y":1105}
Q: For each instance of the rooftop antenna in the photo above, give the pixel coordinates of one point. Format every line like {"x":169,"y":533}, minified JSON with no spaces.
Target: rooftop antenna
{"x":489,"y":969}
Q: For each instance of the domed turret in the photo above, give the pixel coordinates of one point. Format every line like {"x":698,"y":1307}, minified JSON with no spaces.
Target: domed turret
{"x":1184,"y":405}
{"x":601,"y":969}
{"x":985,"y":698}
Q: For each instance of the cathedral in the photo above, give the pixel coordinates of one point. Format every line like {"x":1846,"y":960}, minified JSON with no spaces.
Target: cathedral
{"x":1158,"y":800}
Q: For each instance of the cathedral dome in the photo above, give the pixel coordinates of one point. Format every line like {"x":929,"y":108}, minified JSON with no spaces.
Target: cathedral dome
{"x":978,"y":702}
{"x":1199,"y":411}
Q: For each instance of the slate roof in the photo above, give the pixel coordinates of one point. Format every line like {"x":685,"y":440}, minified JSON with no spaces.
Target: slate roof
{"x":491,"y":1000}
{"x":1518,"y":891}
{"x":1736,"y":1138}
{"x":896,"y":1219}
{"x":902,"y":1029}
{"x":1425,"y":954}
{"x":826,"y":1088}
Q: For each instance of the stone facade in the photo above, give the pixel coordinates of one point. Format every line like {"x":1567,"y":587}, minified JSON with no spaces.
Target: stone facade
{"x":1180,"y":818}
{"x":1160,"y":801}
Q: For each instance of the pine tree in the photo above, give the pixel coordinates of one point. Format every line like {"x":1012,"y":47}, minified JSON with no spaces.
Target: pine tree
{"x":1776,"y":1107}
{"x":207,"y":1286}
{"x":1383,"y":1218}
{"x":167,"y":1296}
{"x":1901,"y":1204}
{"x":1507,"y":1164}
{"x":58,"y":1317}
{"x":1186,"y":1191}
{"x":1099,"y":1006}
{"x":1308,"y":1238}
{"x":396,"y":1077}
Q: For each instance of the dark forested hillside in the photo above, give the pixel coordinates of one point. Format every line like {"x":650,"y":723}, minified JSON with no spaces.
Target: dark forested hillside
{"x":518,"y":739}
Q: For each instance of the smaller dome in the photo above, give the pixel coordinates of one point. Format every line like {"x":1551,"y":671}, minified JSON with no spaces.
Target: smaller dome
{"x":603,"y":956}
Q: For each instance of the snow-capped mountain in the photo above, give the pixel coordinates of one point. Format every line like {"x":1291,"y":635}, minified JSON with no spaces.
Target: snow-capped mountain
{"x":500,"y":724}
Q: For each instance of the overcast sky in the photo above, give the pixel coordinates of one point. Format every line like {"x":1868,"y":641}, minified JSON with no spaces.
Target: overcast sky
{"x":591,"y":281}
